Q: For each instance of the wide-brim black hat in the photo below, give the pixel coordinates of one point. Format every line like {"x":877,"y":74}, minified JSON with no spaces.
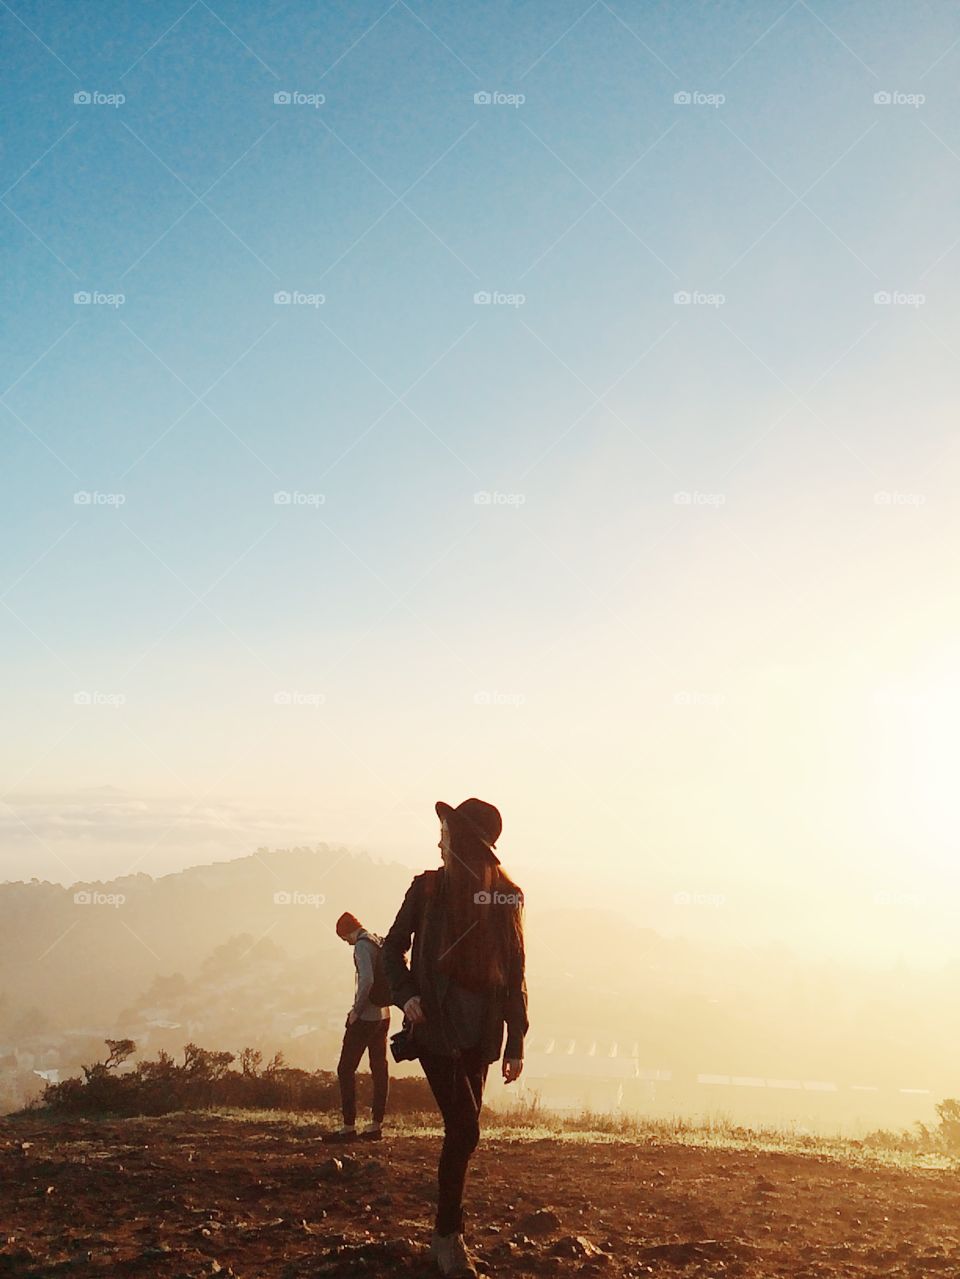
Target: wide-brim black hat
{"x":476,"y":818}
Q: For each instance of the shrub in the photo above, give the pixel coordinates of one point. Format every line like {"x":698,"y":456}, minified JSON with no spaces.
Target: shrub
{"x":949,"y":1115}
{"x":206,"y":1078}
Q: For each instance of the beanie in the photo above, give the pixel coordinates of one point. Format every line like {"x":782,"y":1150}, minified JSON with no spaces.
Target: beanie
{"x":347,"y":924}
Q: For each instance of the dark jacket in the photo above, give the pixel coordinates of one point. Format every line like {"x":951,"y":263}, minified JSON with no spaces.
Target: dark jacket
{"x":420,"y":919}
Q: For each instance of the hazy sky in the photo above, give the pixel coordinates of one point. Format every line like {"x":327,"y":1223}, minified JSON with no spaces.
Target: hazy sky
{"x":655,"y":548}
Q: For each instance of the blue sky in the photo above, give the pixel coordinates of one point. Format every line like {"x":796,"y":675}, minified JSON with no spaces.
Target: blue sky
{"x":783,"y":197}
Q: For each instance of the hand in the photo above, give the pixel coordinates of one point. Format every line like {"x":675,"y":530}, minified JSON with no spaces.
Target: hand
{"x":413,"y":1011}
{"x":512,"y":1069}
{"x":352,"y":1016}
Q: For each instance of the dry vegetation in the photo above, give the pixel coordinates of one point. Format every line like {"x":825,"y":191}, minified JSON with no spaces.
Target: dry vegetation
{"x":255,"y":1194}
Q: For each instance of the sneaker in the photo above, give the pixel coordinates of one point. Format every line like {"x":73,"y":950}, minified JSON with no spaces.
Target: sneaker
{"x":372,"y":1133}
{"x":450,"y":1254}
{"x":340,"y":1134}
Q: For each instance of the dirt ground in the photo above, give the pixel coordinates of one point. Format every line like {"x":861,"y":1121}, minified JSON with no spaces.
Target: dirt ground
{"x":207,"y":1195}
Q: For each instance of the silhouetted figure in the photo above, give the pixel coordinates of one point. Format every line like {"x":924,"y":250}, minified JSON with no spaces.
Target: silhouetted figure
{"x":465,"y":983}
{"x":366,"y":1032}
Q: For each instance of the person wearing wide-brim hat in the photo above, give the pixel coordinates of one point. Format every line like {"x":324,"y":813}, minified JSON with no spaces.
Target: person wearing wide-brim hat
{"x":464,"y":985}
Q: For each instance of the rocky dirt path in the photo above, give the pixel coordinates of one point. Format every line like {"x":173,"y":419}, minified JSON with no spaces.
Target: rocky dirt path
{"x":180,"y":1198}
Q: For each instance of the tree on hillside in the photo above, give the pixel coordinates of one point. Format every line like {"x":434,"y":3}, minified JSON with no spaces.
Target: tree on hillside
{"x":949,"y":1112}
{"x":118,"y":1052}
{"x":29,"y":1023}
{"x":240,"y":951}
{"x":165,"y":987}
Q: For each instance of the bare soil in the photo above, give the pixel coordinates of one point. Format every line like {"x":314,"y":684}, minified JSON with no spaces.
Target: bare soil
{"x":203,"y":1195}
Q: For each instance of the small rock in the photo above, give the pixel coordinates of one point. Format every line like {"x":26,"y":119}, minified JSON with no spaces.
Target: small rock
{"x":542,"y":1222}
{"x":330,"y":1169}
{"x":576,"y":1246}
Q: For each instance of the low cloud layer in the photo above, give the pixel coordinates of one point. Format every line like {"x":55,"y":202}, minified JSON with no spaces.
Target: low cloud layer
{"x":104,"y":832}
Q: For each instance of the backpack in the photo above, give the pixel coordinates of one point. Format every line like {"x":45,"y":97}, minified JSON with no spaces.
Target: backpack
{"x":379,"y":994}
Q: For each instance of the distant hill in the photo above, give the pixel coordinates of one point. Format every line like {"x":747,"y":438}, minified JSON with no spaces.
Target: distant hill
{"x":243,"y":953}
{"x":73,"y":959}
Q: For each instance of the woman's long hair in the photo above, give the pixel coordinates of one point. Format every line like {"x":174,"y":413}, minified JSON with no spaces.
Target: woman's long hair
{"x":482,"y":934}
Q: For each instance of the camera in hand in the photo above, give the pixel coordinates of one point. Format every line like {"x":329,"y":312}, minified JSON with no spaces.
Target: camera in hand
{"x":402,"y":1044}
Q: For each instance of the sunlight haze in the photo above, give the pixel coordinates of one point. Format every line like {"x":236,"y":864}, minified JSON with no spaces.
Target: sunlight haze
{"x":669,"y":578}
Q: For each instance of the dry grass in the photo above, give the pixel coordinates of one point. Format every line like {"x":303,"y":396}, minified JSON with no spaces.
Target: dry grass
{"x":531,"y":1123}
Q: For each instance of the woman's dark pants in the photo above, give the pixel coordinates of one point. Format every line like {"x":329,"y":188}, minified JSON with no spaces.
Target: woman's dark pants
{"x":457,"y":1084}
{"x":368,"y":1037}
